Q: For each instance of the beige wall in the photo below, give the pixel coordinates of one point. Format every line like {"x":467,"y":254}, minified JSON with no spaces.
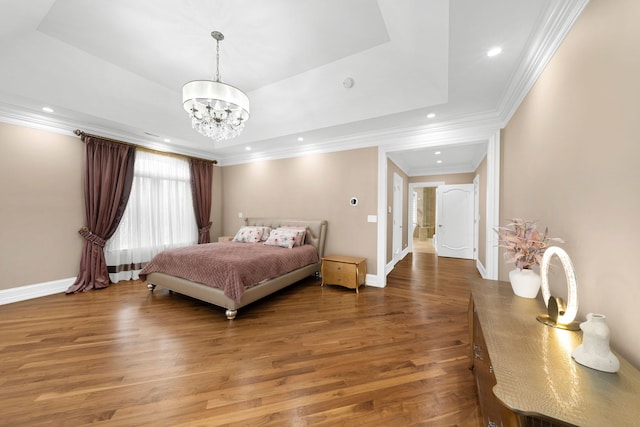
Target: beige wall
{"x":42,"y":206}
{"x":316,"y":187}
{"x":572,"y":160}
{"x":41,"y":209}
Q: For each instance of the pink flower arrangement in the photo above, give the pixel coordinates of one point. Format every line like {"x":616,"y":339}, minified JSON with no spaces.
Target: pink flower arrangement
{"x":524,"y":244}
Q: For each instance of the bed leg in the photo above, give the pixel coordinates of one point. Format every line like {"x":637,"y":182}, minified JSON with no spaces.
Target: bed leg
{"x":231,"y":314}
{"x":151,"y":286}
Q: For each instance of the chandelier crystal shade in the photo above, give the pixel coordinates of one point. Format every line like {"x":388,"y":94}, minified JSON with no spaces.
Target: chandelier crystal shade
{"x":217,"y":110}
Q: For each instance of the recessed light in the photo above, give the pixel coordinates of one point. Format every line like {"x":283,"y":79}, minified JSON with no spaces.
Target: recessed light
{"x":437,"y":153}
{"x":247,"y":148}
{"x":494,"y":51}
{"x":431,"y":115}
{"x":167,"y":140}
{"x":300,"y":139}
{"x":438,"y":161}
{"x":47,"y":109}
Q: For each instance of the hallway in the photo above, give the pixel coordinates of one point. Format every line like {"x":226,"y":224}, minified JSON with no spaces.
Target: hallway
{"x":423,"y":246}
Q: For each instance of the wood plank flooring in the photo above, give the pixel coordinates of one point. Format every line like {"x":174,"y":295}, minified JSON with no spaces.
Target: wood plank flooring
{"x":308,"y":355}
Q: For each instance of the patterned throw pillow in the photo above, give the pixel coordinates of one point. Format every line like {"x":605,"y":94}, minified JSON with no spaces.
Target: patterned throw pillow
{"x":283,"y":238}
{"x":301,"y":233}
{"x":265,"y":232}
{"x":248,"y":235}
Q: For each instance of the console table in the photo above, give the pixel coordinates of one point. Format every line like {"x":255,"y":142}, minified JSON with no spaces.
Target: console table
{"x":524,"y":370}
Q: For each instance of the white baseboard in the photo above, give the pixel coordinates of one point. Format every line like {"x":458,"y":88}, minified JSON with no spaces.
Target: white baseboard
{"x":372,"y":280}
{"x":37,"y":290}
{"x":481,"y":269}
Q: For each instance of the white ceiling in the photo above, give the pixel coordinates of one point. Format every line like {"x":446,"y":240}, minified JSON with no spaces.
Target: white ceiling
{"x":116,"y":68}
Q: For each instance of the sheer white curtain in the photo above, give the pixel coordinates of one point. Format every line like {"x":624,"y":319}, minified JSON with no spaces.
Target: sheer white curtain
{"x":159,"y":215}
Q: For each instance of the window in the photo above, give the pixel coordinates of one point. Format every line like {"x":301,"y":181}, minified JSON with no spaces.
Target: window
{"x":158,"y":216}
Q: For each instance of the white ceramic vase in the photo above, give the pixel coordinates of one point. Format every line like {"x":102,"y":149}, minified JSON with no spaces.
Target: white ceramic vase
{"x":594,"y":351}
{"x":525,"y":283}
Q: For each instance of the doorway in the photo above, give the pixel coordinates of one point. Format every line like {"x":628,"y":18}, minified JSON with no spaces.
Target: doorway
{"x":415,"y":244}
{"x":424,"y":219}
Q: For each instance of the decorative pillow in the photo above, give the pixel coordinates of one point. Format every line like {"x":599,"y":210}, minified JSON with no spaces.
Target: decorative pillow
{"x":301,"y":233}
{"x":248,"y":235}
{"x":283,"y":238}
{"x":265,"y":232}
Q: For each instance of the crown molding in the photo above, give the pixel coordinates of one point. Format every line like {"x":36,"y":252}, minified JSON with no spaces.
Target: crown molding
{"x":441,"y":171}
{"x":34,"y":120}
{"x":553,"y":27}
{"x":463,"y":129}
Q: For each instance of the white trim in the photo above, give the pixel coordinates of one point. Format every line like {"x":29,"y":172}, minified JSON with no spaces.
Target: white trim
{"x":493,"y":206}
{"x":476,"y":216}
{"x":28,"y":119}
{"x":446,"y":170}
{"x":372,"y":280}
{"x":381,"y":263}
{"x":397,"y":231}
{"x":37,"y":290}
{"x":481,"y":269}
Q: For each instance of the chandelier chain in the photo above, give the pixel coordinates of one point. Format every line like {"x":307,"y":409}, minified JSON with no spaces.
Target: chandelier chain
{"x":217,"y":60}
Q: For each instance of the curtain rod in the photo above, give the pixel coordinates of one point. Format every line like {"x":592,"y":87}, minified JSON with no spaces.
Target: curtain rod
{"x":82,"y":134}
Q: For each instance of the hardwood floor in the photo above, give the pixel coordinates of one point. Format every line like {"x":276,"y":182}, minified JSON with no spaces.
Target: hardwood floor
{"x":308,"y":355}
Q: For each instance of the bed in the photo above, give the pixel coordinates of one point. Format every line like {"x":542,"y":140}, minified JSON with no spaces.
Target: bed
{"x":213,"y":292}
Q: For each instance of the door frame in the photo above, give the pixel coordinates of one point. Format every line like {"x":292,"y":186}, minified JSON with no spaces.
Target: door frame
{"x":397,"y":237}
{"x":434,"y":139}
{"x":412,"y":187}
{"x":476,"y":215}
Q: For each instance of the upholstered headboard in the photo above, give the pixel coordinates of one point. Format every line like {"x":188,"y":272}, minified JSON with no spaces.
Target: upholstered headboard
{"x":316,"y":228}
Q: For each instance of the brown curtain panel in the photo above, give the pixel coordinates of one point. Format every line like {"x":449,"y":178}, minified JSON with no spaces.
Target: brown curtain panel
{"x":201,"y":176}
{"x":108,"y":176}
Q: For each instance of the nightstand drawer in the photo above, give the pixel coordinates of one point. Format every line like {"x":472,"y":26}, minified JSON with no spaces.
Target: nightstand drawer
{"x":338,"y":273}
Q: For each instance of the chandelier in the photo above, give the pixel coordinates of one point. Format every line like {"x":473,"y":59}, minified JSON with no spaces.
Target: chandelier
{"x":217,"y":110}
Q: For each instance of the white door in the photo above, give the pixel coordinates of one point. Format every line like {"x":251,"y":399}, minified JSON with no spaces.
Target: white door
{"x":454,"y":219}
{"x":397,"y":215}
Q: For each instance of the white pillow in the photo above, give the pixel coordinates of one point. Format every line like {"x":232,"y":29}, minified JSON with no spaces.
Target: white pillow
{"x":283,"y":238}
{"x":301,"y":233}
{"x":265,"y":232}
{"x":248,"y":235}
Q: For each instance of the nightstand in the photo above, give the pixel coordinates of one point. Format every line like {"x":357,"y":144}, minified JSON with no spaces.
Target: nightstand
{"x":225,"y":238}
{"x":342,"y":270}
